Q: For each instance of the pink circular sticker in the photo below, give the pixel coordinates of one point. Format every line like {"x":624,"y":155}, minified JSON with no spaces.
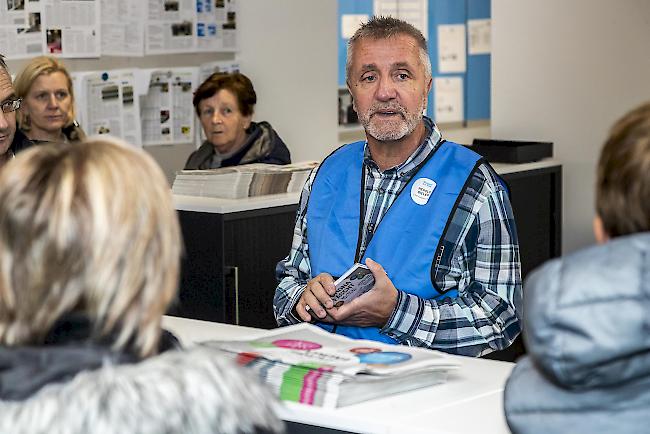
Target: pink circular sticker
{"x":296,"y":344}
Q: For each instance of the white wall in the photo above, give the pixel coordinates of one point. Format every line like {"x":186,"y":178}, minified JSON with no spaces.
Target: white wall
{"x":288,"y":49}
{"x":564,"y":71}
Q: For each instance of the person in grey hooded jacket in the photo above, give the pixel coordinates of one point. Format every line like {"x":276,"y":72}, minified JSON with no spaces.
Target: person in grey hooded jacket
{"x":89,"y":260}
{"x":587,"y":315}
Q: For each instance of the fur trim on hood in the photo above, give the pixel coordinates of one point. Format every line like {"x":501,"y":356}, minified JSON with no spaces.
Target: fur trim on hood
{"x":195,"y":391}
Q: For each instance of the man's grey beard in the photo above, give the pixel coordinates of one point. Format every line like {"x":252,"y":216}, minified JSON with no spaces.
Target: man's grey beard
{"x":406,"y":126}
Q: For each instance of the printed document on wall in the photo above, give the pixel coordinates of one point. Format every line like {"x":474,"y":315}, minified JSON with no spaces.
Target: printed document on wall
{"x":166,"y":110}
{"x":415,"y":12}
{"x":350,"y":23}
{"x":170,"y":26}
{"x":111,"y":104}
{"x":122,"y":24}
{"x":479,"y":36}
{"x":216,"y":24}
{"x":451,"y":48}
{"x":72,"y":28}
{"x":221,"y":66}
{"x":20,"y":29}
{"x":448,"y":93}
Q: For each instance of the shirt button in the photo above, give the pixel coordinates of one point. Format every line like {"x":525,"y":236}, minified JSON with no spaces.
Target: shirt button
{"x":371,"y":227}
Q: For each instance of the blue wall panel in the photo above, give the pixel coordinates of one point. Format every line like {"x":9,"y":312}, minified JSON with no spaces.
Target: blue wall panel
{"x":349,"y":7}
{"x":443,"y":12}
{"x":478,"y":69}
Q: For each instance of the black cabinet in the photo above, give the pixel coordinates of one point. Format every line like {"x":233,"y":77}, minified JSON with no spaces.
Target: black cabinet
{"x":228,"y":269}
{"x":536,"y":197}
{"x":228,"y":266}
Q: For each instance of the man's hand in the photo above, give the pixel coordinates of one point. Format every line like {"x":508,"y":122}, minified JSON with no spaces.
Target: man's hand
{"x":373,"y":308}
{"x":317,"y":295}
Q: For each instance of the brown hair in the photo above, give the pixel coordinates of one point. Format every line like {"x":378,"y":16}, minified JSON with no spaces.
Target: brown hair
{"x":623,"y":177}
{"x":380,"y":27}
{"x":237,"y":83}
{"x":41,"y":65}
{"x":88,"y":228}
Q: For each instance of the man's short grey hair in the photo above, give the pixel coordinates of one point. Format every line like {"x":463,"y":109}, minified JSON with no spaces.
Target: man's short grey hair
{"x":383,"y":28}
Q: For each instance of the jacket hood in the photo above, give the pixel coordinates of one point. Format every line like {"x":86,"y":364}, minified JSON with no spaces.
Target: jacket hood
{"x":195,"y":391}
{"x":587,"y":316}
{"x":262,"y":140}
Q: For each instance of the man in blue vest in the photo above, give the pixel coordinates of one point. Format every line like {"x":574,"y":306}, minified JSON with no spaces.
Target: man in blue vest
{"x":428,"y":217}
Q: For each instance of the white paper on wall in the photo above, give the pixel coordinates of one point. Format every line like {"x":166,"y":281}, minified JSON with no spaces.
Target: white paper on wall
{"x":71,"y":28}
{"x":415,"y":12}
{"x":21,"y":34}
{"x":451,"y":48}
{"x":479,"y":36}
{"x":170,"y":26}
{"x":111,"y":106}
{"x":122,"y":23}
{"x":350,"y":23}
{"x":448,"y":105}
{"x":216,"y":24}
{"x":166,"y":110}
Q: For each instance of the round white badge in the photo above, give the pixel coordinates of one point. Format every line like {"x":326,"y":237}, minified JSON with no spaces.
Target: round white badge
{"x":421,"y":190}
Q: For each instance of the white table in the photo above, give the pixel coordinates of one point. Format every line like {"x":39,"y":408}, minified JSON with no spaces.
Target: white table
{"x":469,"y":402}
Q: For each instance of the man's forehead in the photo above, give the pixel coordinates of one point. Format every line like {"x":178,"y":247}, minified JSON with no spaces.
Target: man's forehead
{"x":394,"y":52}
{"x":403,"y":47}
{"x":6,"y":88}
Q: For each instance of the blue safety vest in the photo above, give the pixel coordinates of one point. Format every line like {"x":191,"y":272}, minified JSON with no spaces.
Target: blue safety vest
{"x":407,"y":238}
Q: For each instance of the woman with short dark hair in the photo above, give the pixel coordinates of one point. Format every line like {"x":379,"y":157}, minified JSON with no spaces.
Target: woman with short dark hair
{"x":224,"y":104}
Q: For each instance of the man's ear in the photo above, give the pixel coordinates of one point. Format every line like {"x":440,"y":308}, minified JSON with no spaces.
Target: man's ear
{"x":354,"y":106}
{"x":599,"y":230}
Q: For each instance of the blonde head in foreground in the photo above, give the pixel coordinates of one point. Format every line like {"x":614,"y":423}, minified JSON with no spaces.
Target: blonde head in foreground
{"x":86,"y":228}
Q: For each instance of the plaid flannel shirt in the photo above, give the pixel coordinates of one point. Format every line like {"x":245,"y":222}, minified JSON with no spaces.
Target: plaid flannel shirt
{"x":480,"y":260}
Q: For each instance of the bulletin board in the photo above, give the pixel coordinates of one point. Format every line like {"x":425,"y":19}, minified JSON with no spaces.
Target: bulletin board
{"x":458,"y":35}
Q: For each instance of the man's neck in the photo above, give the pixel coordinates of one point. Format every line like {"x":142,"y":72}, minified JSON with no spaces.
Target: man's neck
{"x":394,"y":153}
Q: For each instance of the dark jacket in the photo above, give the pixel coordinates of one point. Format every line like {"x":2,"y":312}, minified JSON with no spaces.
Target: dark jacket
{"x":587,"y":328}
{"x":72,"y":132}
{"x":74,"y":385}
{"x":20,"y":142}
{"x":263,"y":145}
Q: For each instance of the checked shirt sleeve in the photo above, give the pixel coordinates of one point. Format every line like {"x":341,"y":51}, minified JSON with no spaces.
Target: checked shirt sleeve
{"x":483,"y":266}
{"x":294,"y":271}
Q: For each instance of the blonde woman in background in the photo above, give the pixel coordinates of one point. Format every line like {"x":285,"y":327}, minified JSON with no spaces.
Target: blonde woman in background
{"x":47,"y":112}
{"x":89,"y":259}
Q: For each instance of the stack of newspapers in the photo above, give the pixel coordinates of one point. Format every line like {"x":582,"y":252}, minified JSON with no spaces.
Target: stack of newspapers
{"x":247,"y":180}
{"x":303,"y":363}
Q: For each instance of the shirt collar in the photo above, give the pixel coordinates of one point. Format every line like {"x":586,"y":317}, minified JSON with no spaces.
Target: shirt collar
{"x":433,"y":138}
